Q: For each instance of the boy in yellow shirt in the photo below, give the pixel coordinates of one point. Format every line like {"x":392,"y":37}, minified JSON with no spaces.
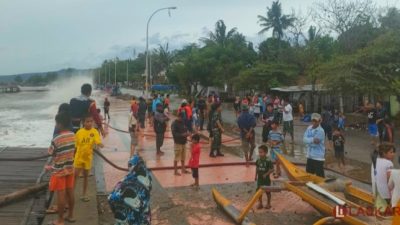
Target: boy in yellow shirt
{"x":85,"y":141}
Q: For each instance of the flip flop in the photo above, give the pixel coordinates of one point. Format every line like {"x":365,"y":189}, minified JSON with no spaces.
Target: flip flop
{"x":268,"y":206}
{"x":51,"y":210}
{"x":187,"y":172}
{"x":85,"y":198}
{"x":70,"y":220}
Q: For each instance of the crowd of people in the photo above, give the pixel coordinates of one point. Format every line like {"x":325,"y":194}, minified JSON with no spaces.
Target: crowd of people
{"x":79,"y":127}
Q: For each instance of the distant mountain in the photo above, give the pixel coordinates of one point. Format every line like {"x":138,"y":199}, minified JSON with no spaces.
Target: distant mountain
{"x":63,"y":72}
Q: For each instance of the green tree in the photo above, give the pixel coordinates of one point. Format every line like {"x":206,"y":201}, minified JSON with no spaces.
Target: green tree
{"x":275,"y":20}
{"x":18,"y":79}
{"x":220,"y":36}
{"x":374,"y":69}
{"x":391,"y":20}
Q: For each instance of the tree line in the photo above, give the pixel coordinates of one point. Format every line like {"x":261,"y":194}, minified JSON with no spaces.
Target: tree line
{"x":349,"y":46}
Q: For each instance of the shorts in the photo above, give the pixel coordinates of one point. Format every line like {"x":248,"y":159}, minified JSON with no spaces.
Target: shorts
{"x":263,"y":182}
{"x":339,"y":154}
{"x":315,"y":167}
{"x":288,"y":127}
{"x":83,"y":164}
{"x":180,"y":152}
{"x":273,"y":154}
{"x":134,"y":140}
{"x":373,"y":129}
{"x":328,"y":131}
{"x":59,"y":183}
{"x":248,"y":145}
{"x":195,"y":172}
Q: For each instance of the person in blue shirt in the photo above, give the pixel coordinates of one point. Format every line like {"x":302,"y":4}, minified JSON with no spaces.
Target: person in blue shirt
{"x":247,"y":123}
{"x":314,"y":139}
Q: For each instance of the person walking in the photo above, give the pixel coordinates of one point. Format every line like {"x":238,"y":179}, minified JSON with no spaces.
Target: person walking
{"x":160,"y":126}
{"x":267,"y":118}
{"x":247,"y":123}
{"x":314,"y":139}
{"x":381,"y":115}
{"x":288,"y":120}
{"x":106,"y":109}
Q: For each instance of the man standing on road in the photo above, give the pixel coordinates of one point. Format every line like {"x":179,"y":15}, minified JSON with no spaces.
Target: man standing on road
{"x":82,"y":105}
{"x":160,"y":126}
{"x":381,"y":114}
{"x":180,"y":134}
{"x":314,"y":139}
{"x":288,"y":119}
{"x":247,"y":123}
{"x":217,"y":130}
{"x":142,"y":113}
{"x":106,"y":109}
{"x":201,"y":106}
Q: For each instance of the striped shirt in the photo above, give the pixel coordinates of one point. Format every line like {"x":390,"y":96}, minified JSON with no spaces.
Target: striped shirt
{"x":276,"y":136}
{"x":62,"y":149}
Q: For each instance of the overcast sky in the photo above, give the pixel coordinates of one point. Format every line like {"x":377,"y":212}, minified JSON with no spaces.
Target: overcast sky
{"x":48,"y":35}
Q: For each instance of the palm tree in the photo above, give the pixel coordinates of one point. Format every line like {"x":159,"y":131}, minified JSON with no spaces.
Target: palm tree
{"x":220,"y":37}
{"x":275,"y":21}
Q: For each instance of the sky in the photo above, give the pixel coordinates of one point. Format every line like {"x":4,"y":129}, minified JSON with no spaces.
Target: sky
{"x":48,"y":35}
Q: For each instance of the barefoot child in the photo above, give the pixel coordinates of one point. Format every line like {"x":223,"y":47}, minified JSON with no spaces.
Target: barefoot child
{"x":380,"y":173}
{"x":62,"y":178}
{"x":133,"y":132}
{"x":194,"y":159}
{"x":264,"y":168}
{"x":86,"y":139}
{"x":275,"y":140}
{"x":338,"y":144}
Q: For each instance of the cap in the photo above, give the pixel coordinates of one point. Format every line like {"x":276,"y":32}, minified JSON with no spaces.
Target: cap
{"x":184,"y":101}
{"x":315,"y":116}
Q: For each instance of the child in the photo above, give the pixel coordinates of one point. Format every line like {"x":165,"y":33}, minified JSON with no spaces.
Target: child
{"x":101,"y":117}
{"x":264,"y":168}
{"x":132,"y":131}
{"x":338,"y":144}
{"x":86,"y":139}
{"x":341,"y":121}
{"x":62,"y":179}
{"x":380,"y":173}
{"x":394,"y":186}
{"x":194,"y":159}
{"x":195,"y":117}
{"x":275,"y":140}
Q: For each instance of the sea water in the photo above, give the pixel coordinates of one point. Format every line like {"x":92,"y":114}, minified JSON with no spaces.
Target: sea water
{"x":27,"y":118}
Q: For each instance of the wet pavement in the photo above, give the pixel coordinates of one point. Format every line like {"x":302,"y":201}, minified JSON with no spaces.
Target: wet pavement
{"x":174,"y":202}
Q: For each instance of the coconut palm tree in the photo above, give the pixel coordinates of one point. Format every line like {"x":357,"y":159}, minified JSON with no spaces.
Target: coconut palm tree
{"x":219,"y":37}
{"x":275,"y":21}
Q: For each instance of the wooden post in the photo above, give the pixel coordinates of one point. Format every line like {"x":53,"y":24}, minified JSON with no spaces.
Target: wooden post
{"x":22,"y":193}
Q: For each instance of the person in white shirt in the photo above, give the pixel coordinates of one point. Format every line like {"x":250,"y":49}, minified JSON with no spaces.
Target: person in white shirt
{"x":394,"y":186}
{"x":288,"y":119}
{"x":380,"y":173}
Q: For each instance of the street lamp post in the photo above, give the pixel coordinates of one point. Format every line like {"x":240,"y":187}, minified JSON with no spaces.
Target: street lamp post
{"x":147,"y":46}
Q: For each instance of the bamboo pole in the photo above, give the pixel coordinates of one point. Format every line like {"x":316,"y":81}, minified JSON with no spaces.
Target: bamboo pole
{"x":22,"y":193}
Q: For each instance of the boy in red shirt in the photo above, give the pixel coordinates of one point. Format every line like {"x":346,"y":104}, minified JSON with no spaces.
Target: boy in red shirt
{"x":194,"y":159}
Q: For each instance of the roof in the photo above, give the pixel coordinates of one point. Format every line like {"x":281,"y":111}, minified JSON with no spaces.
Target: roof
{"x":303,"y":88}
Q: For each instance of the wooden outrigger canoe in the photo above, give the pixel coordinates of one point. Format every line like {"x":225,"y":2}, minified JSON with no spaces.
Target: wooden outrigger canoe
{"x":295,"y":173}
{"x":327,"y":205}
{"x":238,"y":216}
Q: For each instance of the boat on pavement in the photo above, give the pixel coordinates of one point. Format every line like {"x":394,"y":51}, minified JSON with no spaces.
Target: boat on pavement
{"x":295,"y":173}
